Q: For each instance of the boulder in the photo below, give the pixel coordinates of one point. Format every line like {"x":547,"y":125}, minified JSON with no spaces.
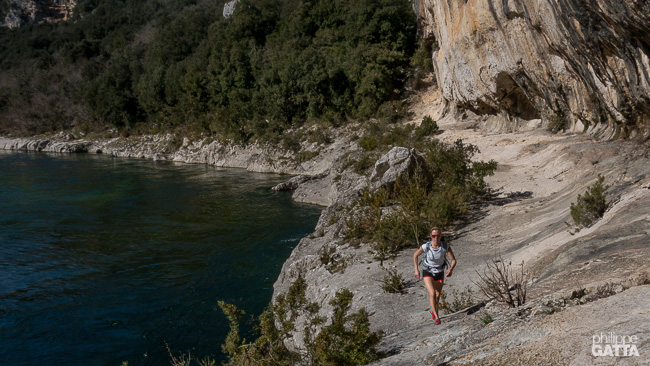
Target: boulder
{"x":395,"y":163}
{"x":292,"y":183}
{"x":229,"y":8}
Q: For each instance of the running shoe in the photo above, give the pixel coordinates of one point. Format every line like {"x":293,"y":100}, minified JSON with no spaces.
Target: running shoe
{"x":437,"y":322}
{"x":433,"y":317}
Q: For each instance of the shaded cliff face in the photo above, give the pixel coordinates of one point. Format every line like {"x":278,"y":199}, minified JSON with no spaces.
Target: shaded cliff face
{"x":18,"y":12}
{"x":574,"y":64}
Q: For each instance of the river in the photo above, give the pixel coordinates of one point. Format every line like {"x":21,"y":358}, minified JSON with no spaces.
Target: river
{"x":105,"y":260}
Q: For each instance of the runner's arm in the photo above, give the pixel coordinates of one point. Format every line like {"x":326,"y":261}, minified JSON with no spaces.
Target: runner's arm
{"x":415,"y":261}
{"x":453,"y":262}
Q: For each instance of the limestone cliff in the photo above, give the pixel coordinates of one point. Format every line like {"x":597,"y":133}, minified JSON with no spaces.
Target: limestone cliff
{"x":574,"y":64}
{"x":19,"y":12}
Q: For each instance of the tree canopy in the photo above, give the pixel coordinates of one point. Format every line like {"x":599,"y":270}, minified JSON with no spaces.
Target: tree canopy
{"x":155,"y":64}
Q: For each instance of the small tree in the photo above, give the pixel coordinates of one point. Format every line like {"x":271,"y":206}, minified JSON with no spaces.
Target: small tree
{"x":592,"y":206}
{"x":428,"y":127}
{"x":393,"y":282}
{"x":347,"y":340}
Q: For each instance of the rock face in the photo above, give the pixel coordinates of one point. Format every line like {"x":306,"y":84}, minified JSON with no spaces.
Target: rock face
{"x":44,"y":145}
{"x":574,"y":63}
{"x":37,"y":11}
{"x":397,"y":162}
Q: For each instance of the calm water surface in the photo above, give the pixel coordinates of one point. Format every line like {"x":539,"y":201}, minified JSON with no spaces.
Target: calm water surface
{"x":106,"y":260}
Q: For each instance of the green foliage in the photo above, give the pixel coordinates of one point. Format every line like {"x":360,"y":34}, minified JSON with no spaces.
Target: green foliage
{"x":393,"y":282}
{"x":385,"y":134}
{"x":347,"y":340}
{"x":487,"y":319}
{"x":460,"y":300}
{"x":392,"y":111}
{"x":591,"y":206}
{"x":319,"y":135}
{"x":271,"y":66}
{"x":363,"y":165}
{"x":368,"y":142}
{"x":421,"y":58}
{"x":428,"y":127}
{"x":437,"y":194}
{"x":333,"y":263}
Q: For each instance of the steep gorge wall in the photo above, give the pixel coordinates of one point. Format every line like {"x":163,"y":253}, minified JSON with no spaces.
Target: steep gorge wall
{"x":575,"y":63}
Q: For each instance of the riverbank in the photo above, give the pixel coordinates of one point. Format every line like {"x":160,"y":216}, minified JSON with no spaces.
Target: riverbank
{"x":263,"y":158}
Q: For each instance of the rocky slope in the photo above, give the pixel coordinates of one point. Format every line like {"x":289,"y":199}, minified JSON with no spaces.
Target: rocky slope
{"x":36,"y":11}
{"x":539,"y":175}
{"x":572,"y":63}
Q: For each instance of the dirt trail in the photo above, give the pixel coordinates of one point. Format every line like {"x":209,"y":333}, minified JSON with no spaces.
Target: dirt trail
{"x":540,"y":174}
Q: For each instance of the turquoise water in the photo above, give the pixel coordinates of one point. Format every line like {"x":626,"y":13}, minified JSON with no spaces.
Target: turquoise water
{"x":107,"y":260}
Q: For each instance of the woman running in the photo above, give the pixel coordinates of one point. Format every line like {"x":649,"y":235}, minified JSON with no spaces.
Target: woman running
{"x":433,"y":268}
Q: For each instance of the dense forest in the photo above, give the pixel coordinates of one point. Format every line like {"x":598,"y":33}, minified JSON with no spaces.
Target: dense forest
{"x":148,"y":66}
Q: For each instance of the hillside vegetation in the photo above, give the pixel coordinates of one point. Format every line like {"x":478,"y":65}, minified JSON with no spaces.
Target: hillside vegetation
{"x":157,"y":65}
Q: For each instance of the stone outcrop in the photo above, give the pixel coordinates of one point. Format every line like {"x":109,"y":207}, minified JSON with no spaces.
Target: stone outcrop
{"x":253,"y":157}
{"x":229,"y":8}
{"x":37,"y":11}
{"x":574,"y":64}
{"x":398,"y":162}
{"x":47,"y":145}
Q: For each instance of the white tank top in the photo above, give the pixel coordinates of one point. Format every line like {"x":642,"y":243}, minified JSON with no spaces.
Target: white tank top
{"x":434,"y":259}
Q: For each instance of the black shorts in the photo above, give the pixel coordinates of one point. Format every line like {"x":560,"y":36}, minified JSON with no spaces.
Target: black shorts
{"x":436,"y":276}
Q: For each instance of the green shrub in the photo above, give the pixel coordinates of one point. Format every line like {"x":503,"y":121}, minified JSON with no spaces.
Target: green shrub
{"x":428,"y":127}
{"x":591,"y":206}
{"x":421,"y":58}
{"x":368,"y":143}
{"x":393,"y":282}
{"x":392,"y":111}
{"x":461,"y":300}
{"x":347,"y":340}
{"x":332,"y":262}
{"x":320,"y":136}
{"x":418,"y":202}
{"x":487,"y":319}
{"x":291,"y":142}
{"x":363,"y":165}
